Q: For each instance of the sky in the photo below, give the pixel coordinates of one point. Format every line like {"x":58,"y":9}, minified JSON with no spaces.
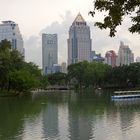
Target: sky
{"x":35,"y":17}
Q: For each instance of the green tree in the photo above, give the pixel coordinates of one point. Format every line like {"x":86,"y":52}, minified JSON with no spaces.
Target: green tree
{"x":77,"y":73}
{"x":5,"y":63}
{"x":116,"y":10}
{"x":15,"y":73}
{"x":44,"y":81}
{"x":22,"y":80}
{"x":133,"y":75}
{"x":85,"y":74}
{"x":57,"y":78}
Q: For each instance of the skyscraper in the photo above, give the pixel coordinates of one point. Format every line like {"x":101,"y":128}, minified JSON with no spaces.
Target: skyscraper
{"x":111,"y":58}
{"x":49,"y":52}
{"x":125,"y":55}
{"x":9,"y":30}
{"x":79,"y":42}
{"x":138,"y":59}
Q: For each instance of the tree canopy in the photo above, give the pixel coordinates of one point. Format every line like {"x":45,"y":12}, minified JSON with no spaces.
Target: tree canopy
{"x":16,"y":75}
{"x":116,"y":10}
{"x":94,"y":74}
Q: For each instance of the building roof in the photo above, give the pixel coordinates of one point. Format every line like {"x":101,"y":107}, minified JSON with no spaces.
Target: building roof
{"x":8,"y":22}
{"x":79,"y":18}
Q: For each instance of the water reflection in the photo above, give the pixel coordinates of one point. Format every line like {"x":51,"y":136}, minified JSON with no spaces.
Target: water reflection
{"x":12,"y":114}
{"x":129,"y":110}
{"x":50,"y":121}
{"x":68,"y":116}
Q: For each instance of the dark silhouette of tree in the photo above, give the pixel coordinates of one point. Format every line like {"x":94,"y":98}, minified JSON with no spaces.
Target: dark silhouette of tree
{"x":116,"y":10}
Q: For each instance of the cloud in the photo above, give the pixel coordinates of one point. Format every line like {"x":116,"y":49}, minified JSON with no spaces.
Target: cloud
{"x":62,"y":30}
{"x":33,"y":50}
{"x":101,"y":42}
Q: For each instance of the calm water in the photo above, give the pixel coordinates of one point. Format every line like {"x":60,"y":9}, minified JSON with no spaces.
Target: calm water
{"x":69,"y":116}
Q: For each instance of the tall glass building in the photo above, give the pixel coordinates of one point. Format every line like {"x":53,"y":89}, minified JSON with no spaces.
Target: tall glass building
{"x":9,"y":30}
{"x":49,"y":52}
{"x":125,"y":55}
{"x":79,"y":42}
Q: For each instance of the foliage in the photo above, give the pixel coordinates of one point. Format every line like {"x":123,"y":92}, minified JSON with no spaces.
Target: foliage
{"x":44,"y":81}
{"x":116,"y":11}
{"x":95,"y":74}
{"x":15,"y":73}
{"x":22,"y":80}
{"x":57,"y":78}
{"x":84,"y":74}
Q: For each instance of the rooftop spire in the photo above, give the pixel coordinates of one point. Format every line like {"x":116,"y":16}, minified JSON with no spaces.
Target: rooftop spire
{"x":79,"y":18}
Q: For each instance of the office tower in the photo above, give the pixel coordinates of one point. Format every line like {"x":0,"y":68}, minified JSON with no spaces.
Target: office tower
{"x":125,"y":55}
{"x":96,"y":57}
{"x":49,"y":52}
{"x":138,"y":59}
{"x":9,"y":30}
{"x":111,"y":58}
{"x":56,"y":68}
{"x":79,"y":42}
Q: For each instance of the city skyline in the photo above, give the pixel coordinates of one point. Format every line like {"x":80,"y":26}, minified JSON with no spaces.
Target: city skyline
{"x":32,"y":21}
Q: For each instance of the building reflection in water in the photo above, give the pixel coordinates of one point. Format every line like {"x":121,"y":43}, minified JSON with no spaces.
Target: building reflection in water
{"x":80,"y":127}
{"x":63,"y":122}
{"x":80,"y":120}
{"x":50,"y":121}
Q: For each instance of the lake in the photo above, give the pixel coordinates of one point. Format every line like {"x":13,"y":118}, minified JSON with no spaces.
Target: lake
{"x":69,"y":115}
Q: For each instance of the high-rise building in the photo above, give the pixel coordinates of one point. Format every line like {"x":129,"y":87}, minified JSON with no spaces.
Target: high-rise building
{"x":111,"y":58}
{"x":56,"y":68}
{"x":79,"y":42}
{"x":138,"y":59}
{"x":96,"y":57}
{"x":125,"y":55}
{"x":9,"y":30}
{"x":49,"y":52}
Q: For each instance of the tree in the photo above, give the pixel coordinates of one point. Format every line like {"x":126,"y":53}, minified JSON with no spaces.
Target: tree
{"x":116,"y":11}
{"x":77,"y":73}
{"x":57,"y":78}
{"x":15,"y":73}
{"x":22,"y":80}
{"x":44,"y":81}
{"x":5,"y":63}
{"x":85,"y":74}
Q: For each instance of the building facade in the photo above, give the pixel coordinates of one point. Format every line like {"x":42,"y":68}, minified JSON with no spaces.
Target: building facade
{"x":79,"y":42}
{"x":96,"y":57}
{"x":125,"y":55}
{"x":138,"y":59}
{"x":9,"y":30}
{"x":56,"y":68}
{"x":111,"y":58}
{"x":49,"y":52}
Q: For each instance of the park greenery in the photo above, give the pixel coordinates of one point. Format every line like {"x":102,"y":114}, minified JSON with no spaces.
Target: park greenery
{"x":114,"y":13}
{"x":99,"y":75}
{"x":16,"y":75}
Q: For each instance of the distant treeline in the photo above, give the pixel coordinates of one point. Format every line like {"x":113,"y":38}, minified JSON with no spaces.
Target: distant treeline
{"x":95,"y":74}
{"x":98,"y":75}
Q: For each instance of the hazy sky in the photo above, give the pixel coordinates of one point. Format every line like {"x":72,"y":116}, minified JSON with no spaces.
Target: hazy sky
{"x":55,"y":16}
